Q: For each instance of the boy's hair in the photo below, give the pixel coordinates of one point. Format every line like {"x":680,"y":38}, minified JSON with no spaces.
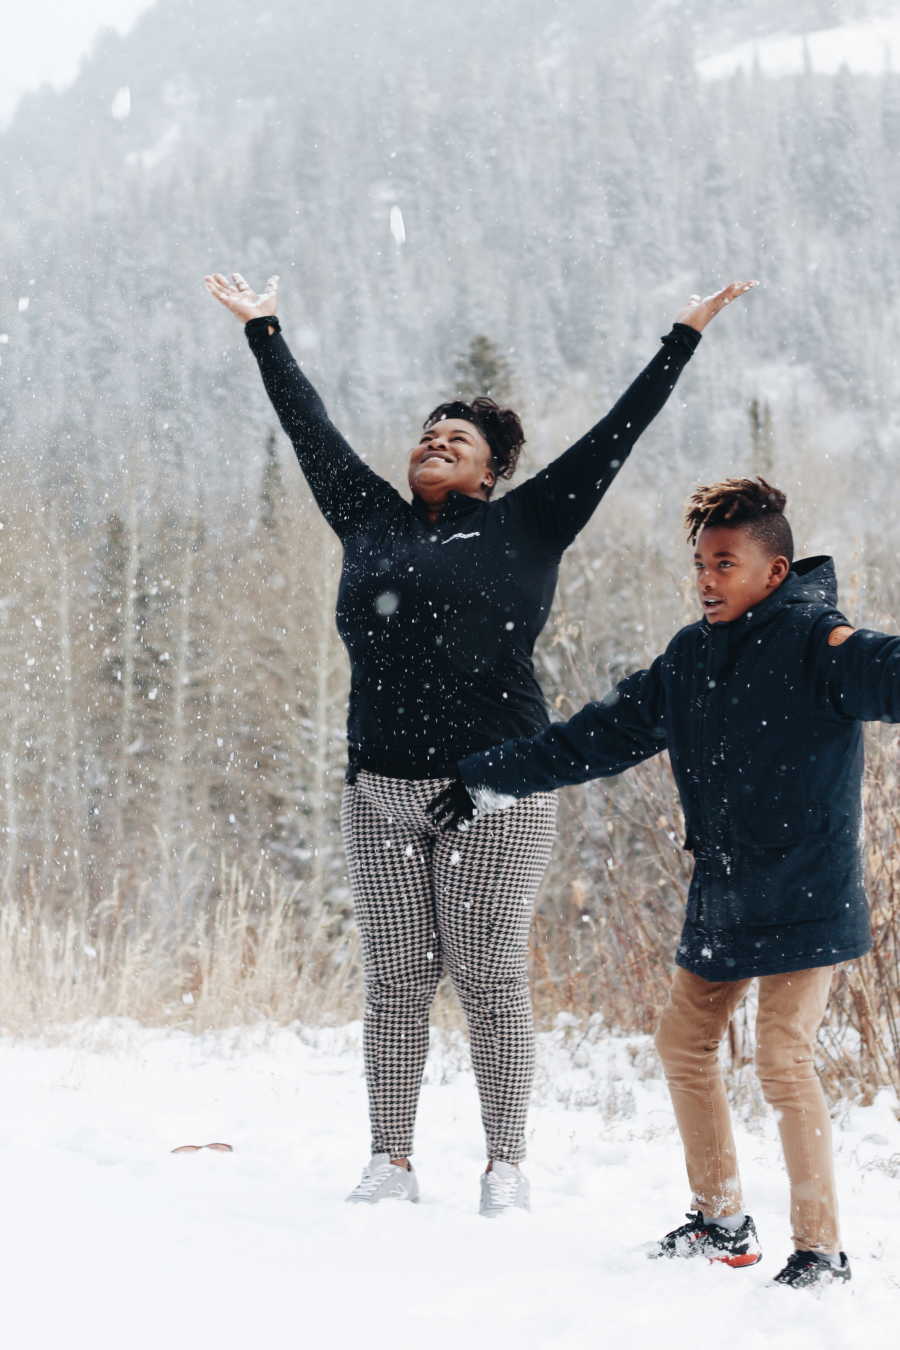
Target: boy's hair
{"x":754,"y":504}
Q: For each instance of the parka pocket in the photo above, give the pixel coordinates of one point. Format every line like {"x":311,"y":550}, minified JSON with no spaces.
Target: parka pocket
{"x":786,"y":866}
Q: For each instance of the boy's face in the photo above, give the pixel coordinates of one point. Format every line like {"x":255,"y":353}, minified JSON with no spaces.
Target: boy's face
{"x":734,"y":572}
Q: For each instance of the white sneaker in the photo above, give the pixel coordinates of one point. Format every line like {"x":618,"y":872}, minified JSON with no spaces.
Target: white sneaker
{"x":503,"y":1188}
{"x":384,"y":1180}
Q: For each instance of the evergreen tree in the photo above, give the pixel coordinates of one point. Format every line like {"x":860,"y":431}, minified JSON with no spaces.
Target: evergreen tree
{"x":483,"y":370}
{"x":762,"y":440}
{"x":271,"y":491}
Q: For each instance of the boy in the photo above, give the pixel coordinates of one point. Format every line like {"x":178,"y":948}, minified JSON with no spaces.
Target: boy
{"x":759,"y":705}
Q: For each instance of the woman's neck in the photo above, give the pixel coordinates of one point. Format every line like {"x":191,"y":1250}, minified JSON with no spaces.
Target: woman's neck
{"x":433,"y":510}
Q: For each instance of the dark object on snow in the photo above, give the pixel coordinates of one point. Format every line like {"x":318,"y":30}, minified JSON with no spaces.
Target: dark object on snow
{"x":698,"y":1237}
{"x":761,"y":718}
{"x":453,"y":808}
{"x":809,"y":1268}
{"x":440,"y":619}
{"x":195,"y":1148}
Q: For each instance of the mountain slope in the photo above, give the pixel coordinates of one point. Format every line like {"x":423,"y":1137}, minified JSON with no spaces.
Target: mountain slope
{"x":563,"y":182}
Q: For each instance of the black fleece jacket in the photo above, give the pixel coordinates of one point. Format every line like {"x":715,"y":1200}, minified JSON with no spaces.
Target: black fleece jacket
{"x":440,"y":620}
{"x":761,"y":718}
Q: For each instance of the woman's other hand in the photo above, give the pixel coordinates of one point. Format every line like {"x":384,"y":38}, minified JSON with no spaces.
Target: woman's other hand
{"x":698,"y":311}
{"x":236,"y":294}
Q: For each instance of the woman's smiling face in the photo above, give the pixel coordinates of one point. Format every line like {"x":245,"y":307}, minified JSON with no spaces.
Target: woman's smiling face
{"x":452,"y":456}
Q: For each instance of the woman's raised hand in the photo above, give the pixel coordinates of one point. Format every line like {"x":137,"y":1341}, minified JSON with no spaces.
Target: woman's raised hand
{"x":235,"y":294}
{"x":698,"y":311}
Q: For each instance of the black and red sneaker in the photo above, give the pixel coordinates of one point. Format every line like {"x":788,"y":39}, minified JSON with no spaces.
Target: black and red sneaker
{"x":807,"y":1268}
{"x":699,"y":1238}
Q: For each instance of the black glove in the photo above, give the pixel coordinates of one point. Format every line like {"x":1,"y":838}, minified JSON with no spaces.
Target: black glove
{"x":453,"y":808}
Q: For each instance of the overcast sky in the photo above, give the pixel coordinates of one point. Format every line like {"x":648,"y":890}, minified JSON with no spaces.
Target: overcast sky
{"x":44,"y":40}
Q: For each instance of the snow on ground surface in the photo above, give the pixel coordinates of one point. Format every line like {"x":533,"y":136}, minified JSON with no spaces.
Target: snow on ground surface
{"x":112,"y":1241}
{"x":864,"y":48}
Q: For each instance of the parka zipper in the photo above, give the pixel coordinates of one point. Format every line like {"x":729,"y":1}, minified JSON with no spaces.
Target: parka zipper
{"x":705,"y":696}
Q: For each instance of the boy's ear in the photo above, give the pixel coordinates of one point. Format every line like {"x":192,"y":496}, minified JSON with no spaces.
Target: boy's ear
{"x":778,"y":571}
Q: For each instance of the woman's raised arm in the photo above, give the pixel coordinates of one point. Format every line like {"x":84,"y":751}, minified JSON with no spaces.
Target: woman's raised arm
{"x":346,"y":489}
{"x":561,"y":498}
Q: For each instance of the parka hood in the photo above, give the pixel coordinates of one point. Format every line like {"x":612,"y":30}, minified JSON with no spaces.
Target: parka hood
{"x":811,"y":581}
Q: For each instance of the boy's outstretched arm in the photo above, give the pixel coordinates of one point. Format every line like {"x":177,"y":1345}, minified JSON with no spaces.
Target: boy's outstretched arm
{"x":601,"y":740}
{"x":862,"y":669}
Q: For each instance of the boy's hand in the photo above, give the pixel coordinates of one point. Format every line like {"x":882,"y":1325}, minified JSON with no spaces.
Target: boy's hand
{"x":453,"y":808}
{"x":698,"y":311}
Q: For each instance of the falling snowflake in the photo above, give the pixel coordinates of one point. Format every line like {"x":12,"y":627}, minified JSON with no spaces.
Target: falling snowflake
{"x":398,"y":228}
{"x":121,"y":104}
{"x":387,"y":602}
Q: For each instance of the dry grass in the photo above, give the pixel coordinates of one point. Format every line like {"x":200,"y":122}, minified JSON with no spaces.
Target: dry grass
{"x":243,"y":953}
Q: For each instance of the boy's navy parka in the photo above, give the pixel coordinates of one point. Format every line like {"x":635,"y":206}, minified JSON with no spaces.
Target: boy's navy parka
{"x":761,"y":718}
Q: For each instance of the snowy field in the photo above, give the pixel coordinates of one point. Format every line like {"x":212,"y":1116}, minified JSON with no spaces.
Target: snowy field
{"x":112,"y":1241}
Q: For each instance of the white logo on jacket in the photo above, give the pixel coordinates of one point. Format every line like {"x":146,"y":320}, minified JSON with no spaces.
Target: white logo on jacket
{"x":473,"y":535}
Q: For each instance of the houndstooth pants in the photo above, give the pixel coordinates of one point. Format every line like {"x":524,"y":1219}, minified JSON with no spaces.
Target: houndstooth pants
{"x":427,"y":901}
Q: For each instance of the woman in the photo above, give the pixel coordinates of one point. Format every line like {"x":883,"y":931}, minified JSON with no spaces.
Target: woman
{"x":440,"y":602}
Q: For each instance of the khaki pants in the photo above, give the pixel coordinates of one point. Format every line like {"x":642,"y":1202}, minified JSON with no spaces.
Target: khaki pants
{"x":791,"y":1008}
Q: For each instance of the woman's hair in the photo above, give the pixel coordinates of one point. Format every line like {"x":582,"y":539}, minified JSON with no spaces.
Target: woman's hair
{"x":752,"y":503}
{"x":500,"y":427}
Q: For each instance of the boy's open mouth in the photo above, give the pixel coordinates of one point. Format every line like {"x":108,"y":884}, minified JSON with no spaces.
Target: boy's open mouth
{"x":712,"y":603}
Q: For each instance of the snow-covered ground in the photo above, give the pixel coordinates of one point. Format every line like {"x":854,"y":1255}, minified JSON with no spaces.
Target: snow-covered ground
{"x":109,"y":1240}
{"x":864,"y":48}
